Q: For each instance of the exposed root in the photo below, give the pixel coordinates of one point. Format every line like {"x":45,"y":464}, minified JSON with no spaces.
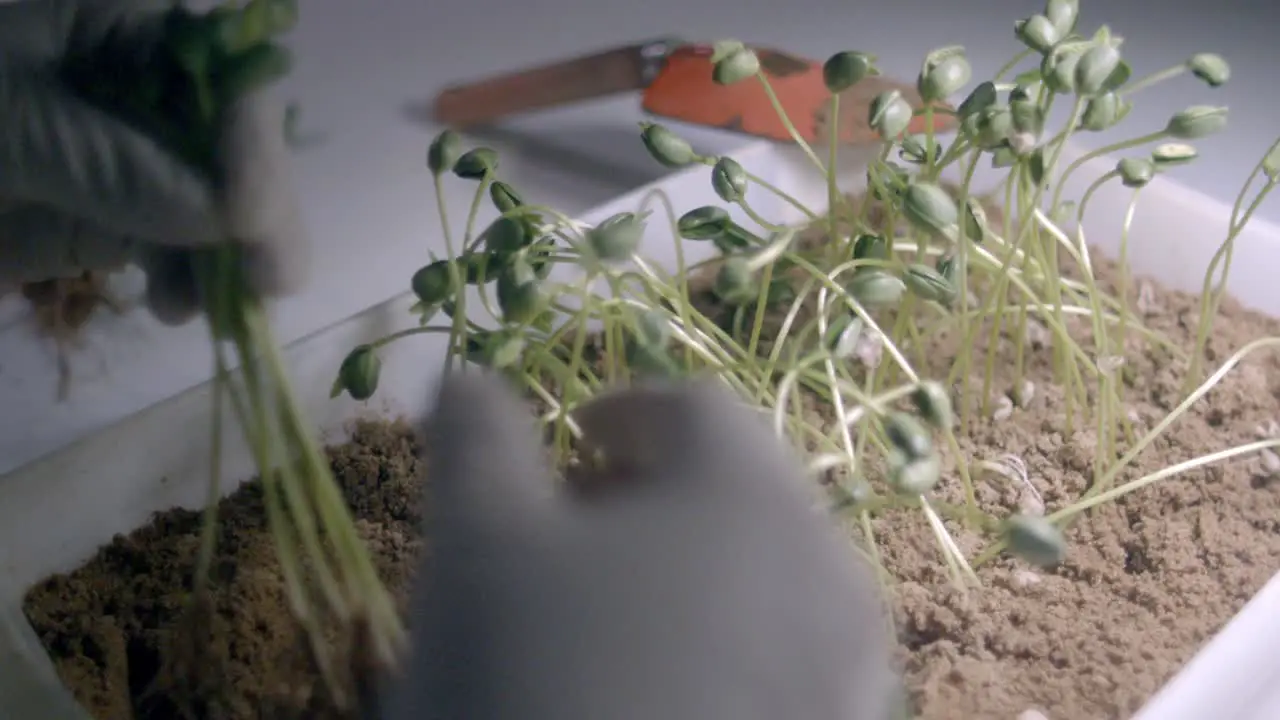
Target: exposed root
{"x":63,"y":307}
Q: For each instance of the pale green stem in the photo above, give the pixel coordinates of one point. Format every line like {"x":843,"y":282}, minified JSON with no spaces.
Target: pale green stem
{"x":455,"y":275}
{"x":1152,"y":79}
{"x":786,"y":122}
{"x":1103,"y":483}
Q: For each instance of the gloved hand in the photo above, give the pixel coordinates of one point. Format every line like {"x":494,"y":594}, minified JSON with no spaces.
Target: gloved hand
{"x":702,"y":587}
{"x":80,"y":190}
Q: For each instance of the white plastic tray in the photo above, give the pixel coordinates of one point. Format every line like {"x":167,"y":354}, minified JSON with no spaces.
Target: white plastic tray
{"x":55,"y":512}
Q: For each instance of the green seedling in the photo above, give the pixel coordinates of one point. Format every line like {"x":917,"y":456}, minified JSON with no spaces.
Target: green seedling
{"x":206,"y":62}
{"x":843,"y":326}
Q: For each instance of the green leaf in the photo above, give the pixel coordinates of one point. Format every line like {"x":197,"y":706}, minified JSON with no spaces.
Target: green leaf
{"x":1028,"y":78}
{"x":444,"y":151}
{"x":907,"y":435}
{"x":519,"y":294}
{"x":735,"y":67}
{"x":735,"y":282}
{"x":1036,"y":540}
{"x":669,"y":149}
{"x":913,"y":476}
{"x":476,"y":163}
{"x":359,"y":372}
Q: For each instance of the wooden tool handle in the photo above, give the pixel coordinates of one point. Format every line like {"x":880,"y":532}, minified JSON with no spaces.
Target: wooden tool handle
{"x":584,"y":78}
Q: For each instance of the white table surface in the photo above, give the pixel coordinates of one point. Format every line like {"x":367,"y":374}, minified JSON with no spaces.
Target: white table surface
{"x":363,"y":67}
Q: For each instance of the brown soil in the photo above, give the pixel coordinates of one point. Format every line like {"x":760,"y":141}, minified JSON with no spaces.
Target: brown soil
{"x":108,"y":625}
{"x":1148,"y":579}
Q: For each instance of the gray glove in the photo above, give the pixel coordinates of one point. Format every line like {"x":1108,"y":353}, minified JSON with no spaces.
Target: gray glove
{"x":80,"y":190}
{"x":703,"y":586}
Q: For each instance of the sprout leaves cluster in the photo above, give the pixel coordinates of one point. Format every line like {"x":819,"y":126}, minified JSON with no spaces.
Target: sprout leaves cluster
{"x":177,"y":93}
{"x":777,"y":318}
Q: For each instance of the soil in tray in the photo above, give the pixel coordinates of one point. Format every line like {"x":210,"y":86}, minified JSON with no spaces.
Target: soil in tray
{"x":108,"y":624}
{"x":1148,"y":578}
